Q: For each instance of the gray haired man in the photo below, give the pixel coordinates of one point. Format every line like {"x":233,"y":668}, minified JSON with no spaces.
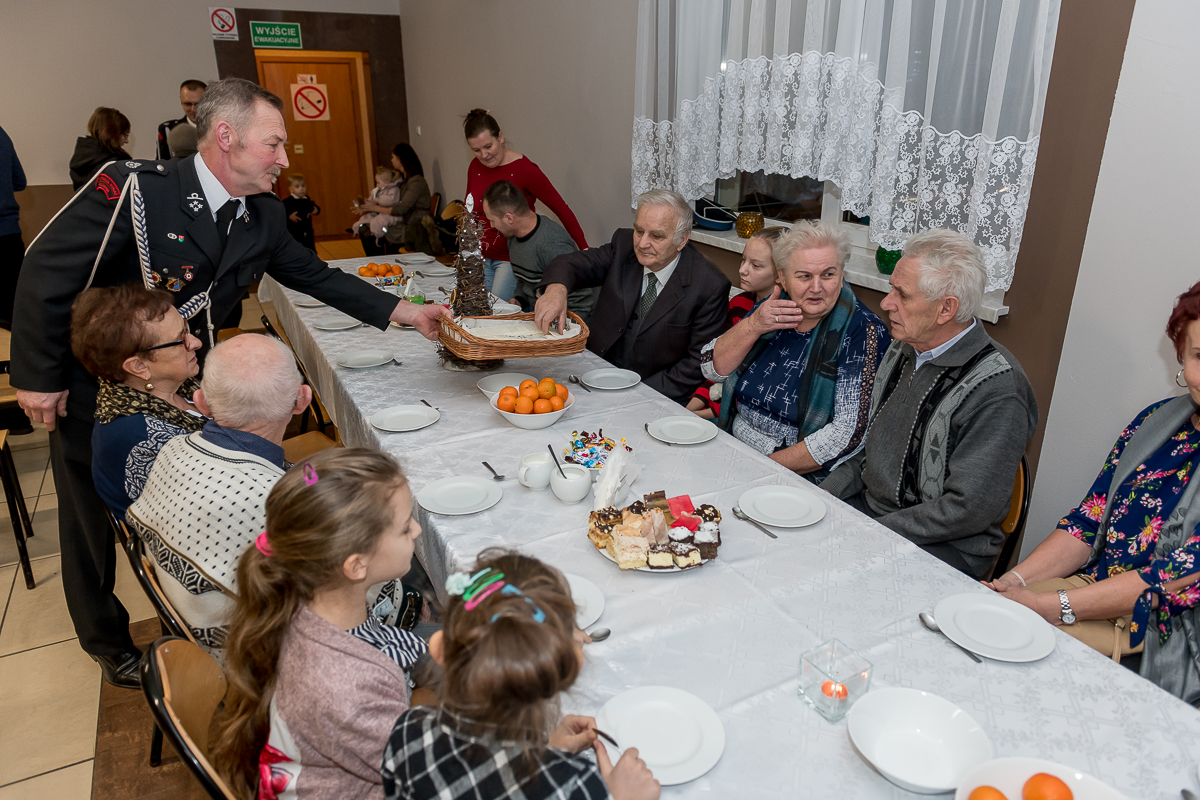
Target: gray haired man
{"x":950,"y":414}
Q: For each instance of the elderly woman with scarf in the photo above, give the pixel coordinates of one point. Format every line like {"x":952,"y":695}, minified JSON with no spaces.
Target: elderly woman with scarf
{"x":800,"y":368}
{"x":1120,"y":570}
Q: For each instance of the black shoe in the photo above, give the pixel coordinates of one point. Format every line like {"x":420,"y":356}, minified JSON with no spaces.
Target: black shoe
{"x":121,"y":671}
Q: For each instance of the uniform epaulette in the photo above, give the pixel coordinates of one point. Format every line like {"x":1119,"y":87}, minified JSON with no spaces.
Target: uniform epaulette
{"x":138,"y":165}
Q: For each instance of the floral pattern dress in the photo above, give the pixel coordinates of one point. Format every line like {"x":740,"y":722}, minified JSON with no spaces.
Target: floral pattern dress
{"x":1143,"y":504}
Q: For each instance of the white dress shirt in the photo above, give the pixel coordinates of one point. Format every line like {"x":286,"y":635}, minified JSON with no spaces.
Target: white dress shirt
{"x":214,"y":192}
{"x":662,"y":276}
{"x":930,"y":355}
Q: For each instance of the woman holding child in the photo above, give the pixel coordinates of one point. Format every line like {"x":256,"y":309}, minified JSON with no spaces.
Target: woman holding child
{"x":400,"y":211}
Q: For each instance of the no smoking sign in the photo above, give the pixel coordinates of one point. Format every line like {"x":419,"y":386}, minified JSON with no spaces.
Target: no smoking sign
{"x":310,"y":102}
{"x":223,"y":22}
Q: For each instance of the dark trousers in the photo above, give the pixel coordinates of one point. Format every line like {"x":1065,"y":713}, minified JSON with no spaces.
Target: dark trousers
{"x":12,"y":254}
{"x":89,"y":555}
{"x":950,"y":554}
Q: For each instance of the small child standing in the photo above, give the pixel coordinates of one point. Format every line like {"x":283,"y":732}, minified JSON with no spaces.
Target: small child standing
{"x":315,"y":681}
{"x":385,"y":193}
{"x":300,"y":210}
{"x":508,"y":648}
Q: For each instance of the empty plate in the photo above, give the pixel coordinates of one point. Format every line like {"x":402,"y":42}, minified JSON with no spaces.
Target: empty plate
{"x":492,"y":384}
{"x":782,"y":506}
{"x":361,"y":359}
{"x":589,"y":600}
{"x":611,"y":378}
{"x":459,"y":495}
{"x":335,"y":322}
{"x":682,"y":430}
{"x":677,"y":734}
{"x":994,"y":626}
{"x":308,"y":302}
{"x":405,"y":418}
{"x":436,"y":270}
{"x":415,"y":258}
{"x":919,"y":741}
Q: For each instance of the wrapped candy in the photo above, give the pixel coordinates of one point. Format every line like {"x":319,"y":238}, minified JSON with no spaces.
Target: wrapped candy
{"x":591,"y":449}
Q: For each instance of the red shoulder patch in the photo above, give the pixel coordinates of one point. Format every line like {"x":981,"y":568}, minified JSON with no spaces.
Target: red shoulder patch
{"x":108,"y":186}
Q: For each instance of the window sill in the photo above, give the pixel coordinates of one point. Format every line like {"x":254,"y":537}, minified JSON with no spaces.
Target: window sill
{"x":861,"y":271}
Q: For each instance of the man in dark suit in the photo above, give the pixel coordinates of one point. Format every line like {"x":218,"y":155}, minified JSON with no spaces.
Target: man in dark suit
{"x":212,"y":228}
{"x":190,"y":94}
{"x":660,"y":301}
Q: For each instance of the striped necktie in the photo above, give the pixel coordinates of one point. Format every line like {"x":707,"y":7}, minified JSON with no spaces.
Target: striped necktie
{"x":650,"y":295}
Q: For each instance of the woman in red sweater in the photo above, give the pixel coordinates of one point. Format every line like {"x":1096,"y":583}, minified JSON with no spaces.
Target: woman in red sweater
{"x":495,"y":162}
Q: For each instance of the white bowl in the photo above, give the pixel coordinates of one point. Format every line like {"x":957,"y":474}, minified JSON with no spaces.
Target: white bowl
{"x":1009,"y":776}
{"x":492,"y":384}
{"x":533,"y":422}
{"x":917,"y":740}
{"x":504,"y":309}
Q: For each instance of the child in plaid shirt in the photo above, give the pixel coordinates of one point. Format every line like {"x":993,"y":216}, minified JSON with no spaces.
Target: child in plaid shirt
{"x":509,"y":646}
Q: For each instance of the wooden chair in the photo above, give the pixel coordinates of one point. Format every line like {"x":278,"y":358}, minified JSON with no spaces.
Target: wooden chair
{"x":1014,"y":523}
{"x":17,"y":511}
{"x":435,"y":200}
{"x":184,"y":686}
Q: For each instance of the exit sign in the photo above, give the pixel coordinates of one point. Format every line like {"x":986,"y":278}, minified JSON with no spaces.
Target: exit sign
{"x":275,"y":34}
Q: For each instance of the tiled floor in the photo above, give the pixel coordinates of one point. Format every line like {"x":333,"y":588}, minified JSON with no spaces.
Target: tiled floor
{"x":51,"y":689}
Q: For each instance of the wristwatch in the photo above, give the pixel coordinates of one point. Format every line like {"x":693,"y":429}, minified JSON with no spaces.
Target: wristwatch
{"x":1068,"y":616}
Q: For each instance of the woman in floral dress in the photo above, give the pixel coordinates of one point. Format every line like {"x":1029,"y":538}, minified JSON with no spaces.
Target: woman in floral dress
{"x":1146,"y":504}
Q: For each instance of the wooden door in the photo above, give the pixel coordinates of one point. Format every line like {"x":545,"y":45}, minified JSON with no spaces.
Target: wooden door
{"x":331,"y":145}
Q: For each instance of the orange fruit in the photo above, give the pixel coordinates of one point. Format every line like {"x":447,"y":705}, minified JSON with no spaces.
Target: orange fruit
{"x":1046,"y":787}
{"x":542,"y":406}
{"x":525,"y":383}
{"x":531,"y":392}
{"x":546,"y":380}
{"x":523,"y":405}
{"x":546,"y":390}
{"x":506,"y":402}
{"x":556,"y":403}
{"x":986,"y":793}
{"x":510,"y":390}
{"x":365,"y":272}
{"x":561,"y":391}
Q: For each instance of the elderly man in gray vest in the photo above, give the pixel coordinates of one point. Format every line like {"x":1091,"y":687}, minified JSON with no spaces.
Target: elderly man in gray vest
{"x":951,"y":411}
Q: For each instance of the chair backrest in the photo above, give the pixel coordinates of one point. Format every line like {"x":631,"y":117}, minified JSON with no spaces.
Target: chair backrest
{"x":1014,"y":523}
{"x":147,"y":578}
{"x":184,"y":686}
{"x":435,"y":200}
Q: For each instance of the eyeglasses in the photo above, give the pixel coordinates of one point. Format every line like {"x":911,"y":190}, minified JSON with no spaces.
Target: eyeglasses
{"x":164,"y":346}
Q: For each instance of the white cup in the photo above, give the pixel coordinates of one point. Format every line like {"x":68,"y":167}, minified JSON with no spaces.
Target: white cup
{"x":535,"y":471}
{"x":575,"y":486}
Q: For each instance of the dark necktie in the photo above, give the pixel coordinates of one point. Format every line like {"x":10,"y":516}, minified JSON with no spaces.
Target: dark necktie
{"x":649,"y":296}
{"x":225,"y":216}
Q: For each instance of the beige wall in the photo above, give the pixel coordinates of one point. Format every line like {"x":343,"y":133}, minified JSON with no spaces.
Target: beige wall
{"x":556,"y":74}
{"x":60,"y":59}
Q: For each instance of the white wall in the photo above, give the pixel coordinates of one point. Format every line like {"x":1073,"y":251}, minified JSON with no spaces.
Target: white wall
{"x":1140,"y":253}
{"x":62,"y":58}
{"x":556,"y":74}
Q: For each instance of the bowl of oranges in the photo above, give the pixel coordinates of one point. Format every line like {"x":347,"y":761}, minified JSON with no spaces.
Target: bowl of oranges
{"x":533,"y":405}
{"x":1031,"y":779}
{"x":384,"y":274}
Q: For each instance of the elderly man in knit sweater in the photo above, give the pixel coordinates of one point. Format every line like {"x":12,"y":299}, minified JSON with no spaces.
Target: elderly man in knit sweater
{"x":203,"y":503}
{"x":951,"y":411}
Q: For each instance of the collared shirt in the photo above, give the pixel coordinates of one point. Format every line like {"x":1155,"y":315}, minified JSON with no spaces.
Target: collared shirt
{"x":663,"y":275}
{"x":243,"y":441}
{"x":214,"y":192}
{"x":930,"y":355}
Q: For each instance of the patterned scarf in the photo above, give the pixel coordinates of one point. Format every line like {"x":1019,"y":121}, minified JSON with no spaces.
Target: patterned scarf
{"x":120,"y":400}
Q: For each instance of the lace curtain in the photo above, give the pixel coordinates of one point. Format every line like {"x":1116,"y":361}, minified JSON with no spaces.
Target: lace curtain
{"x":925,"y":113}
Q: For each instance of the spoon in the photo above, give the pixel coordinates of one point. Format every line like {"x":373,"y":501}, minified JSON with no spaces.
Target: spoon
{"x":554,"y":456}
{"x":599,"y":635}
{"x":575,"y":380}
{"x":929,"y":622}
{"x":737,"y":512}
{"x":613,"y":741}
{"x":492,"y":469}
{"x":426,"y":402}
{"x":397,"y":362}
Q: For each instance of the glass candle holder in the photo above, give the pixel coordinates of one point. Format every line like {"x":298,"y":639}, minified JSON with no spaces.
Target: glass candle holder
{"x":832,"y":678}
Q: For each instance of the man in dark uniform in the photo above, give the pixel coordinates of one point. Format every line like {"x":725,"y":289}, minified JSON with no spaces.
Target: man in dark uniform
{"x":190,"y":93}
{"x":211,"y":226}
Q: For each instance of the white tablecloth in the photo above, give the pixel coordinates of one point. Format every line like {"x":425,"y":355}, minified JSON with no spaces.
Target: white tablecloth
{"x":732,"y":632}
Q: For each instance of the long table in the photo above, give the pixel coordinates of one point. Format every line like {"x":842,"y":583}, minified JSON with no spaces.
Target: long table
{"x":732,"y":631}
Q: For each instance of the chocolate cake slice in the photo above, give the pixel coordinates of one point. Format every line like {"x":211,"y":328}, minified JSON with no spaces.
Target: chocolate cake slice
{"x":708,"y":539}
{"x":660,"y":557}
{"x":708,"y":513}
{"x":681,"y":534}
{"x":685,"y":555}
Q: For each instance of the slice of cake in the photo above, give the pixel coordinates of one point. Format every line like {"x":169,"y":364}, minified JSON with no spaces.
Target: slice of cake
{"x":654,"y":529}
{"x":630,"y":552}
{"x":660,"y":557}
{"x":601,"y":524}
{"x":634,"y":522}
{"x":680,"y":534}
{"x":708,"y":539}
{"x":685,"y":555}
{"x":658,"y":500}
{"x":708,"y":513}
{"x":637,"y":507}
{"x":680,"y":505}
{"x":689,"y":521}
{"x":609,"y":515}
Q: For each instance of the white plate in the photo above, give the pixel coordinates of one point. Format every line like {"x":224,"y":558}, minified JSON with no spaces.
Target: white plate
{"x":435,"y":270}
{"x":492,"y":384}
{"x":682,"y":430}
{"x":677,"y":734}
{"x":405,"y":418}
{"x":504,"y":309}
{"x":361,"y":359}
{"x":990,"y":625}
{"x":589,"y":600}
{"x":671,"y":571}
{"x":1009,"y":776}
{"x":611,"y":378}
{"x":919,"y":741}
{"x":415,"y":258}
{"x":309,"y":303}
{"x":782,"y":506}
{"x":459,"y":495}
{"x":335,"y":322}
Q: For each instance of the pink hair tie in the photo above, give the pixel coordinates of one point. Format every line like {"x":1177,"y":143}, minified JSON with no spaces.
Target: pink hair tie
{"x":479,"y":598}
{"x":262,"y":545}
{"x":310,"y":474}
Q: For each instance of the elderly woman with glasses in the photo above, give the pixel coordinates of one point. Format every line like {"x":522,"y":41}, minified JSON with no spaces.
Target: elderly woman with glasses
{"x":138,"y":347}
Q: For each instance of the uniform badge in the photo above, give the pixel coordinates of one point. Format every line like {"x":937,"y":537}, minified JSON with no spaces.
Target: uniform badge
{"x":175,"y":236}
{"x":108,"y":186}
{"x":133,"y":164}
{"x":174,"y":284}
{"x":155,"y":278}
{"x":196,"y":202}
{"x":187,"y":274}
{"x":246,"y":217}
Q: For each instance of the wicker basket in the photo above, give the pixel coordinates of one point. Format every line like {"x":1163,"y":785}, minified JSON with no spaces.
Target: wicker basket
{"x":469,"y":347}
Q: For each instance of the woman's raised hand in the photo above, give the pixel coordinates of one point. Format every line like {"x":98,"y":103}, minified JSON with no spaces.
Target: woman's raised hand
{"x":775,"y":314}
{"x":630,"y":779}
{"x":574,"y":733}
